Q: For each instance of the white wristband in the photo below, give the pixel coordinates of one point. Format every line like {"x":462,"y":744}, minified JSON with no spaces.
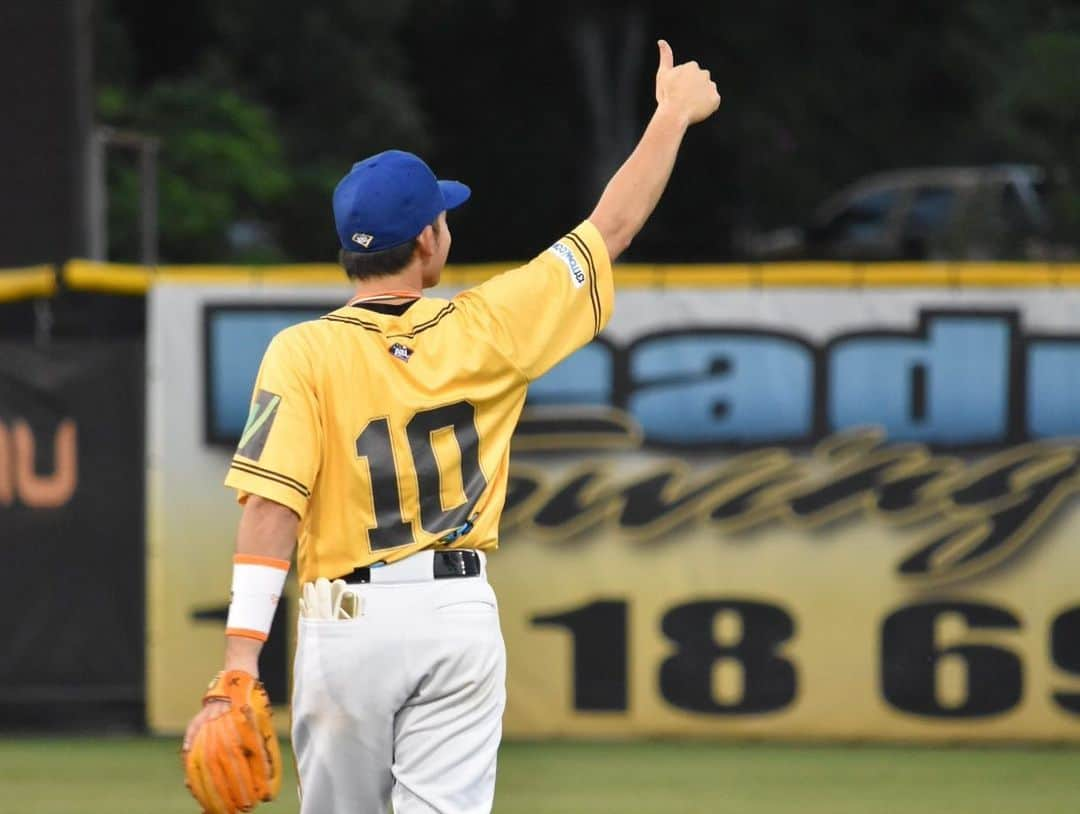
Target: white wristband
{"x":256,"y":587}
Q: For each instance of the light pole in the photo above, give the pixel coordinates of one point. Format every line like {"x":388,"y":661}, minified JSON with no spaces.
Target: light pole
{"x":97,"y":197}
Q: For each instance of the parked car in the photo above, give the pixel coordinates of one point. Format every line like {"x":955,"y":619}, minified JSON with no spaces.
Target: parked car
{"x":950,"y":213}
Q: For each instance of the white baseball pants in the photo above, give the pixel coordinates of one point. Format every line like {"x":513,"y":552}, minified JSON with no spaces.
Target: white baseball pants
{"x":404,"y":703}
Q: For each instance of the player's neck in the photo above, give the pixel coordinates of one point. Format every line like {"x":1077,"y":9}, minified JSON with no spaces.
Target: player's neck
{"x":407,"y":282}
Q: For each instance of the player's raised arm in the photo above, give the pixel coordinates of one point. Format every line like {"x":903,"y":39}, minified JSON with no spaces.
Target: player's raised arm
{"x":539,"y":314}
{"x":685,"y":95}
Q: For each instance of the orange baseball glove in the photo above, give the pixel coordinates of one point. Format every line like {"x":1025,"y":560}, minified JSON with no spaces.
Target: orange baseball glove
{"x":234,"y":760}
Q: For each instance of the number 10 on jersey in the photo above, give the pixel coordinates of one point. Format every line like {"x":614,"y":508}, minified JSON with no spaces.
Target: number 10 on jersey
{"x":390,"y":466}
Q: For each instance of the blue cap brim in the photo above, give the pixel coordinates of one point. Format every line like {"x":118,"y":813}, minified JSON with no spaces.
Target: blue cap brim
{"x":454,"y":193}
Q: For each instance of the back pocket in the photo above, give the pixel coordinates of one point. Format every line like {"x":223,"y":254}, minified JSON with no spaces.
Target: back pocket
{"x":474,"y":605}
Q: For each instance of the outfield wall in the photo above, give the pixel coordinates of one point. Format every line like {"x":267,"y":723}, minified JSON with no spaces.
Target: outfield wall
{"x":71,"y":495}
{"x":814,"y":511}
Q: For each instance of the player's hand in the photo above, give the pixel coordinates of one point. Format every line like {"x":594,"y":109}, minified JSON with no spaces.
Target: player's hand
{"x":231,"y":756}
{"x":211,"y":710}
{"x":686,"y":89}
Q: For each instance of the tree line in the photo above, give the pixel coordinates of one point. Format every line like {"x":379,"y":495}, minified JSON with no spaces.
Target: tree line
{"x":262,"y":106}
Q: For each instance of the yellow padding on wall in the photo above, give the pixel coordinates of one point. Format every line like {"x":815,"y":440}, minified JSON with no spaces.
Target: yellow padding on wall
{"x":109,"y":278}
{"x":25,"y":283}
{"x":118,"y":278}
{"x":86,"y":275}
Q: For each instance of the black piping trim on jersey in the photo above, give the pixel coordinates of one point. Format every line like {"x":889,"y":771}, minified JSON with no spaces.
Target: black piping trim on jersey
{"x":370,"y":326}
{"x":269,"y":474}
{"x":447,"y":309}
{"x":594,"y":294}
{"x":367,"y":326}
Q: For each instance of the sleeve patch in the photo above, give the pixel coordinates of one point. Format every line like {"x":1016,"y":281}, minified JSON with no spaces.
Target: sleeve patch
{"x":566,"y":255}
{"x":261,"y":418}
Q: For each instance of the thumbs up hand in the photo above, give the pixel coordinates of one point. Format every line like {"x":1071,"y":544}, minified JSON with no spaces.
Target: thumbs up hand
{"x":685,"y":89}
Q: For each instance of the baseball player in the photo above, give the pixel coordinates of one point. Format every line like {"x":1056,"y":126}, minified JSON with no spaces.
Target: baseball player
{"x":379,"y":437}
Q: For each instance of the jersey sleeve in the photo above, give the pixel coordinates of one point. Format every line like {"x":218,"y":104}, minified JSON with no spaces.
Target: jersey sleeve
{"x":540,"y":313}
{"x":279,"y":451}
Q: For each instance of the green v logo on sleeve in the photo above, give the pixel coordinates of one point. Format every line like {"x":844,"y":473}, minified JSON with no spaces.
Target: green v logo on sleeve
{"x":260,"y":420}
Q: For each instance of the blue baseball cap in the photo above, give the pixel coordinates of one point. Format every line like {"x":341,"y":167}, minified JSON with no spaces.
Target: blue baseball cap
{"x":388,"y":199}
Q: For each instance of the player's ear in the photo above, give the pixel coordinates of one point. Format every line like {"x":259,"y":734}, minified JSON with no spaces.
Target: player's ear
{"x":426,"y":242}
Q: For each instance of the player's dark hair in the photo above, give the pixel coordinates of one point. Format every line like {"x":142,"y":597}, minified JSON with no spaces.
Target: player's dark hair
{"x":365,"y":265}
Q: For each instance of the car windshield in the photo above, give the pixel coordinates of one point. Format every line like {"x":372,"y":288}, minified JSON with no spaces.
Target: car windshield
{"x":930,"y":211}
{"x":865,"y":218}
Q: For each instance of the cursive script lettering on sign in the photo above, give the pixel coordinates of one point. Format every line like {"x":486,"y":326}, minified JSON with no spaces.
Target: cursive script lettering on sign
{"x":965,"y":516}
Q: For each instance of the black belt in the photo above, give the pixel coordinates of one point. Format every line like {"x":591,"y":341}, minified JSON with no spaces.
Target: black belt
{"x":462,"y":562}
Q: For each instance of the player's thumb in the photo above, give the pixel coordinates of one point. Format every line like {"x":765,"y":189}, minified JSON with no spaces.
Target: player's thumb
{"x":667,"y":59}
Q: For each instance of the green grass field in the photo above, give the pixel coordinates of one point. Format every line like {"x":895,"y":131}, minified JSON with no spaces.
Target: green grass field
{"x":121,"y":775}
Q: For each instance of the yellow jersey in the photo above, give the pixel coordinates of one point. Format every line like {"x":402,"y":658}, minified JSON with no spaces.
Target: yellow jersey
{"x":388,"y":430}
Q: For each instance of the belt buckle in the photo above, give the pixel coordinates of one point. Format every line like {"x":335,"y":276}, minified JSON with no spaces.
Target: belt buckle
{"x":456,"y":563}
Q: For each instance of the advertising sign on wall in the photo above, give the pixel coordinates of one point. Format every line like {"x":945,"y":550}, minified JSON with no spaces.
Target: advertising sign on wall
{"x":71,"y":508}
{"x":803,"y":513}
